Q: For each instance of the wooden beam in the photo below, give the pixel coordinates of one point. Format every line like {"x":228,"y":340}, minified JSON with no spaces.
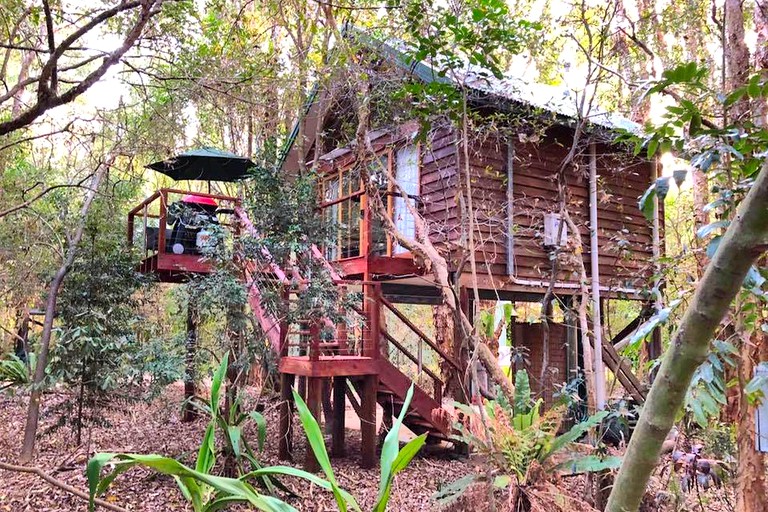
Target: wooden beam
{"x":339,"y":408}
{"x":314,"y":403}
{"x":619,"y":366}
{"x":420,"y":333}
{"x":328,"y":366}
{"x":285,"y":441}
{"x":368,"y":421}
{"x":409,"y":355}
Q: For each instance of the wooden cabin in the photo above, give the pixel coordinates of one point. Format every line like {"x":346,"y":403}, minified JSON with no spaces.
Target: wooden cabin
{"x":520,"y":138}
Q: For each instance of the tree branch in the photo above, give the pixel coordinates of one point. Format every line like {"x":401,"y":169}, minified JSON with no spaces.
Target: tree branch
{"x":47,"y":97}
{"x":59,"y":484}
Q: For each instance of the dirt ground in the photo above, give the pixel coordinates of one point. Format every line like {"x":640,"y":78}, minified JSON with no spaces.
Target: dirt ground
{"x":156,"y":428}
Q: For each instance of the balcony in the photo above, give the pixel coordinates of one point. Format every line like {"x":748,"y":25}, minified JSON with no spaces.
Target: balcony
{"x":169,"y":227}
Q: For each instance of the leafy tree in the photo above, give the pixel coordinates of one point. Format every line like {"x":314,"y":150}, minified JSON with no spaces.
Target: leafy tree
{"x":733,"y":156}
{"x":98,"y":311}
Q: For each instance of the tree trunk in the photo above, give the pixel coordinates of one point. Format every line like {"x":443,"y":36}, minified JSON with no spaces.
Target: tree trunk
{"x":760,"y":59}
{"x":736,"y":57}
{"x":442,"y":316}
{"x":33,"y":410}
{"x":745,"y":239}
{"x":750,"y":475}
{"x":190,"y":412}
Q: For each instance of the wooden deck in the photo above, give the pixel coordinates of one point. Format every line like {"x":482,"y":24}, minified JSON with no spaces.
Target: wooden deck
{"x":329,"y":366}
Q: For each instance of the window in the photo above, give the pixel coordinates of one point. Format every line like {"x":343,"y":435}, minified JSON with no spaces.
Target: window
{"x":407,"y":176}
{"x":342,"y":189}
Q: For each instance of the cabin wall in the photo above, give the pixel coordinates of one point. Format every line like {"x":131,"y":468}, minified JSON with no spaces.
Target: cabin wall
{"x":625,"y":236}
{"x":438,"y":185}
{"x":528,"y":340}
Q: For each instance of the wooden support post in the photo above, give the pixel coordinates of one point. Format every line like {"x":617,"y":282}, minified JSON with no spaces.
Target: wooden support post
{"x":285,"y":444}
{"x":368,"y":421}
{"x":314,"y":340}
{"x":339,"y":408}
{"x":162,"y":222}
{"x":189,"y":412}
{"x":314,"y":402}
{"x":374,"y":317}
{"x":327,"y":406}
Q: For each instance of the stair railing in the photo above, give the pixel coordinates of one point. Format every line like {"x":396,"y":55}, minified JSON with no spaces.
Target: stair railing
{"x":438,"y":384}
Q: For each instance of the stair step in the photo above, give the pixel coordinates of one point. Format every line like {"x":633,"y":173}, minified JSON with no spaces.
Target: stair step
{"x":420,"y":422}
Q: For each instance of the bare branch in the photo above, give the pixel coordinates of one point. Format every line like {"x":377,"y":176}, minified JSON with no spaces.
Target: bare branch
{"x":47,"y":97}
{"x":58,"y":483}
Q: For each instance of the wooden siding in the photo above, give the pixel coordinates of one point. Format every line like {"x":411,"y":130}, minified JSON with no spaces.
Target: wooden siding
{"x":528,"y":343}
{"x":625,"y":236}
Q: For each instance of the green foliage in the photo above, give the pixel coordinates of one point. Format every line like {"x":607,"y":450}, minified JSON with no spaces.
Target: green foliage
{"x":231,"y":421}
{"x":207,"y":493}
{"x":393,"y":458}
{"x":97,"y":346}
{"x":204,"y":491}
{"x":730,"y":156}
{"x":479,"y":33}
{"x":516,"y":438}
{"x":14,"y":372}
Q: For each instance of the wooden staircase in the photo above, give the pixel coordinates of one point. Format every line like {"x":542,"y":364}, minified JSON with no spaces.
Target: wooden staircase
{"x":349,"y":356}
{"x":424,"y":415}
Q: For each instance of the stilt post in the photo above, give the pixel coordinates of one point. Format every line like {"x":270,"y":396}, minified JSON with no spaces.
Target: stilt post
{"x":285,"y":442}
{"x":339,"y":409}
{"x":190,"y":413}
{"x":314,"y":403}
{"x":368,"y":420}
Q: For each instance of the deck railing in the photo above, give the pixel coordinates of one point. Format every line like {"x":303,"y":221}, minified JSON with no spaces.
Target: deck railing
{"x":148,"y":222}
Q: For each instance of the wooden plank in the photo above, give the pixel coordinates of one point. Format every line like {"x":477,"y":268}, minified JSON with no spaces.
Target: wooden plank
{"x":420,"y":333}
{"x":328,"y":366}
{"x":623,"y":372}
{"x":409,"y":355}
{"x":285,"y":439}
{"x":422,"y":403}
{"x":338,"y":448}
{"x":368,"y":421}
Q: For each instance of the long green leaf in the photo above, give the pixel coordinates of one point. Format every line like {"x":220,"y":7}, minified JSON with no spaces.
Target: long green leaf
{"x":261,"y":426}
{"x":589,"y":464}
{"x":168,"y":466}
{"x":317,"y":443}
{"x":206,"y":455}
{"x":320,"y":482}
{"x":404,"y":456}
{"x":451,"y":492}
{"x":235,"y":434}
{"x":93,"y":472}
{"x":218,"y":378}
{"x":391,"y":460}
{"x":572,"y":435}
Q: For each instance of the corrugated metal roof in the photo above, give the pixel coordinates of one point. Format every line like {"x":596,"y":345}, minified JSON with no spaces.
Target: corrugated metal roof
{"x":558,"y":100}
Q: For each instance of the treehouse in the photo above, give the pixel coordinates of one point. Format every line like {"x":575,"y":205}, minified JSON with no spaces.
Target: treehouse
{"x":171,"y":226}
{"x":514,"y":210}
{"x":522,"y":206}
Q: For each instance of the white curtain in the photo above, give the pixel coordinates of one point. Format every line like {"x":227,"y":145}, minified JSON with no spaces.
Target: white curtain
{"x":407,"y":175}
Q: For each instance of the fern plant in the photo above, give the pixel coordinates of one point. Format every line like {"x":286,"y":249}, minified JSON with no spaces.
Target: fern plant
{"x":15,"y":372}
{"x":519,"y":438}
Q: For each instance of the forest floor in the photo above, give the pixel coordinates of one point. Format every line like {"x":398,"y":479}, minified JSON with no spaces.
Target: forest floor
{"x":156,"y":428}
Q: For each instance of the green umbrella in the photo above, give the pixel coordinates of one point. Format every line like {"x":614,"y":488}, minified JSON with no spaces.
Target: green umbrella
{"x":206,"y":164}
